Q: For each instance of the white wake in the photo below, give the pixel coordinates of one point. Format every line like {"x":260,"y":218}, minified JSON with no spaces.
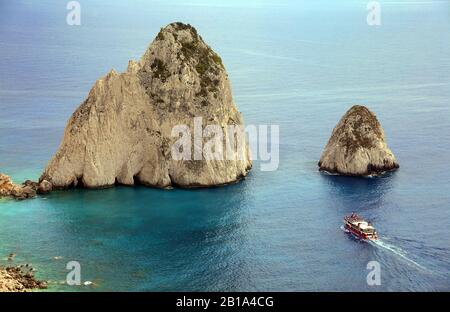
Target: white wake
{"x":397,"y":251}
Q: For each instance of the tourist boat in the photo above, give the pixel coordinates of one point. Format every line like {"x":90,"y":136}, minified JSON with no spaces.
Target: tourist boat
{"x":357,"y":226}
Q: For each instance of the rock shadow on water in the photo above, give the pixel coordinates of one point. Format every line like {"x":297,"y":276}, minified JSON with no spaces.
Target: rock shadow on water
{"x":200,"y":232}
{"x":356,"y":194}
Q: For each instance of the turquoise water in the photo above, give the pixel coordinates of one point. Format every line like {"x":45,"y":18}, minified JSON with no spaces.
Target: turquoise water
{"x":300,"y":65}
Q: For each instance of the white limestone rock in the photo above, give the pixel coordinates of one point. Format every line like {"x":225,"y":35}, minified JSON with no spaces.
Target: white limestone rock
{"x":357,"y":146}
{"x":122,"y":132}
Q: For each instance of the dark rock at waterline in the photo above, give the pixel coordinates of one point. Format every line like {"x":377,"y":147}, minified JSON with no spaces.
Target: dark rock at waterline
{"x":11,"y":256}
{"x":44,"y":187}
{"x":23,"y":193}
{"x":32,"y":184}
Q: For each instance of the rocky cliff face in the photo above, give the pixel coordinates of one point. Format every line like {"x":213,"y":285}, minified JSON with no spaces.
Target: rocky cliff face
{"x":357,"y":146}
{"x":122,"y":132}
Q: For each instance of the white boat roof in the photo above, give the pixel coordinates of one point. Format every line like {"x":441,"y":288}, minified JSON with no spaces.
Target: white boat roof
{"x":363,"y":225}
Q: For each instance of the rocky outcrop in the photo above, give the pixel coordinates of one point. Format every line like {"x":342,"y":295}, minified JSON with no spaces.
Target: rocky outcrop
{"x":357,"y":146}
{"x":28,"y":189}
{"x":19,"y":279}
{"x":44,"y":187}
{"x":9,"y":188}
{"x":122,"y":132}
{"x":24,"y":192}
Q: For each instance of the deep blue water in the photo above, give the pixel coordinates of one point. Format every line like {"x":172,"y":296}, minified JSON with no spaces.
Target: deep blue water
{"x":300,"y":65}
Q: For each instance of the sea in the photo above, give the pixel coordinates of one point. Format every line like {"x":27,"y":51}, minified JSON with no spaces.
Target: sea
{"x":296,"y":64}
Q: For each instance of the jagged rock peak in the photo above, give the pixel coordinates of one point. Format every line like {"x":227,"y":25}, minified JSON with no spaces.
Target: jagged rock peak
{"x":185,"y":45}
{"x":357,"y":146}
{"x":178,"y":62}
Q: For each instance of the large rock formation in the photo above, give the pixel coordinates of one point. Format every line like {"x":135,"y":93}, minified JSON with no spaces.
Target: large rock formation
{"x":122,"y":132}
{"x":357,"y":146}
